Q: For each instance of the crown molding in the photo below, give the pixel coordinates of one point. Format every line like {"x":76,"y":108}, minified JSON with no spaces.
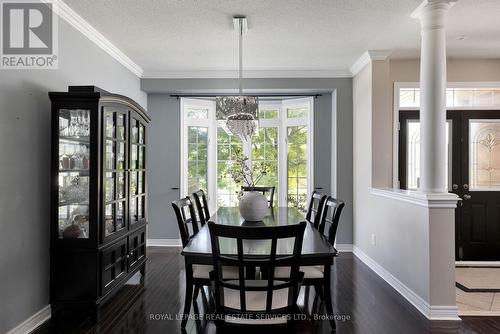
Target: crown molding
{"x":249,"y":74}
{"x":79,"y":23}
{"x":366,"y":58}
{"x":436,"y":4}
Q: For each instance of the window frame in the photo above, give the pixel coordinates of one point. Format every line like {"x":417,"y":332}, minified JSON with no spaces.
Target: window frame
{"x":398,"y":85}
{"x":282,"y":122}
{"x":211,"y":159}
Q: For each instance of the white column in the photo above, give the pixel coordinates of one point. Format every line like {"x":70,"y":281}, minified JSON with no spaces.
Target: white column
{"x":432,"y":16}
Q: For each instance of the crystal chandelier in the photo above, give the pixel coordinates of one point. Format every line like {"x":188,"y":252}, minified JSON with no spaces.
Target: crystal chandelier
{"x":240,"y":112}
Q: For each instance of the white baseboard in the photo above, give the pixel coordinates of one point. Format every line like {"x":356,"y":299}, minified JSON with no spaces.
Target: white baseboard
{"x":30,"y":324}
{"x":164,"y":242}
{"x":343,"y":248}
{"x":492,"y":264}
{"x":431,"y":312}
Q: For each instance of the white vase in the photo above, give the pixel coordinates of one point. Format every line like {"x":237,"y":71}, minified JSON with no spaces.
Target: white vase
{"x":253,"y":206}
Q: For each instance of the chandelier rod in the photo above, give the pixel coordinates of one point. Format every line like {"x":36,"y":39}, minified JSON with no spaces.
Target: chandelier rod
{"x":240,"y":55}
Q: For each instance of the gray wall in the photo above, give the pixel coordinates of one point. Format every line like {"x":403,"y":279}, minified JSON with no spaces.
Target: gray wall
{"x":25,"y":165}
{"x":333,"y":124}
{"x":164,"y":167}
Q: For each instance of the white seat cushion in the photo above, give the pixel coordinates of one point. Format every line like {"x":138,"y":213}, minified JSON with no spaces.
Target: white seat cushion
{"x":256,"y":301}
{"x":203,"y":271}
{"x":309,"y":272}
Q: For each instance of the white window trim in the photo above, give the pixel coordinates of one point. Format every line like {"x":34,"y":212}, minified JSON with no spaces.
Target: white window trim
{"x":282,"y":122}
{"x":286,"y":122}
{"x":396,"y":109}
{"x":212,"y":162}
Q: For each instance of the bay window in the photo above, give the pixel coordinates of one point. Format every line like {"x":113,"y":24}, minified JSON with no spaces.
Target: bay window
{"x":283,"y":143}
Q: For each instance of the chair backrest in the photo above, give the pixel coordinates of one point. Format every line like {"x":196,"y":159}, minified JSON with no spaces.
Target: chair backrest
{"x":201,"y":206}
{"x":330,"y":218}
{"x":315,"y":207}
{"x":266,"y":191}
{"x":286,"y":288}
{"x":184,"y":211}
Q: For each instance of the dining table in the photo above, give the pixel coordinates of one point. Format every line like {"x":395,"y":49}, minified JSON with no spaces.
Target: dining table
{"x":316,"y":250}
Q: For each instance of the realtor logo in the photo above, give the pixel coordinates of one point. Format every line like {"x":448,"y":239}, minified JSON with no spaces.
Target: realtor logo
{"x":29,"y":35}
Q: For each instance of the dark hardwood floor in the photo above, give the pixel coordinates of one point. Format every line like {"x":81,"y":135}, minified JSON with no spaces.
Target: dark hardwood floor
{"x":363,"y":303}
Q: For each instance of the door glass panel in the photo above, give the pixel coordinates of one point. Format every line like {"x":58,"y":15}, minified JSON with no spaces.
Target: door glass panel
{"x":133,"y":209}
{"x":484,"y":155}
{"x":74,"y":169}
{"x":265,"y":157}
{"x":413,"y":154}
{"x":197,"y":158}
{"x":297,"y":166}
{"x":110,"y":155}
{"x":120,"y":155}
{"x":120,"y":186}
{"x":140,"y":209}
{"x":140,"y":183}
{"x":135,"y":131}
{"x":120,"y":221}
{"x":120,"y":127}
{"x":141,"y":134}
{"x":133,"y":183}
{"x":110,"y":187}
{"x":133,"y":157}
{"x":110,"y":125}
{"x":109,"y":219}
{"x":141,"y":158}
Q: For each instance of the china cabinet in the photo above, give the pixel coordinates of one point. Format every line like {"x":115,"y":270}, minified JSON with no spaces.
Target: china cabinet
{"x":98,"y":196}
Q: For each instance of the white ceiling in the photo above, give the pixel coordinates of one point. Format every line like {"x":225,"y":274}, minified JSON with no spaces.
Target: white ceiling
{"x":180,"y":36}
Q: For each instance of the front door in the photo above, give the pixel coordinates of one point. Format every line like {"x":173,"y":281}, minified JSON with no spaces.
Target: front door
{"x":480,"y":186}
{"x":474,"y":175}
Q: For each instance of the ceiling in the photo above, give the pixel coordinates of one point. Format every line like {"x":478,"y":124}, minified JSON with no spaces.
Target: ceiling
{"x":170,"y":37}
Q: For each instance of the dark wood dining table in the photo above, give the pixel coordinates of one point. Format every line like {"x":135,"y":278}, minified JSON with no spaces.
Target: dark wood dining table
{"x":316,"y":250}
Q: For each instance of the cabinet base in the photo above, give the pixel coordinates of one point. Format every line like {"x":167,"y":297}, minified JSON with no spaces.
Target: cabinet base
{"x":114,"y":303}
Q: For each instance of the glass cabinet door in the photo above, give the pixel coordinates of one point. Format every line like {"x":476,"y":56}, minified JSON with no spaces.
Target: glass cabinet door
{"x":74,"y":174}
{"x":137,"y":170}
{"x":115,"y":145}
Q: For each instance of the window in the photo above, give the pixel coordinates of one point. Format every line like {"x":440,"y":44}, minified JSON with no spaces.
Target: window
{"x":265,"y":151}
{"x":227,"y":148}
{"x":283,"y":143}
{"x":409,"y":98}
{"x":197,"y":163}
{"x":413,"y":153}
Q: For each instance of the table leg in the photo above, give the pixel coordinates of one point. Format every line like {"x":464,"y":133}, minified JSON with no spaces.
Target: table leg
{"x":328,"y":297}
{"x":189,"y":293}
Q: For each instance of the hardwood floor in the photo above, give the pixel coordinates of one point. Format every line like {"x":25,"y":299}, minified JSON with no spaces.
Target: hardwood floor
{"x":363,"y":303}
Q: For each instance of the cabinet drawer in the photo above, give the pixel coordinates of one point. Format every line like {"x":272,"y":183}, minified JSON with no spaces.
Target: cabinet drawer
{"x":113,"y":265}
{"x":137,"y":248}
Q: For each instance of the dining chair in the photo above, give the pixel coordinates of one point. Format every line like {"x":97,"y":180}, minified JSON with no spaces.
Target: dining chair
{"x":266,"y":191}
{"x":316,"y":203}
{"x":197,"y":275}
{"x":200,"y":199}
{"x":243,"y":301}
{"x":317,"y":276}
{"x":330,"y":218}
